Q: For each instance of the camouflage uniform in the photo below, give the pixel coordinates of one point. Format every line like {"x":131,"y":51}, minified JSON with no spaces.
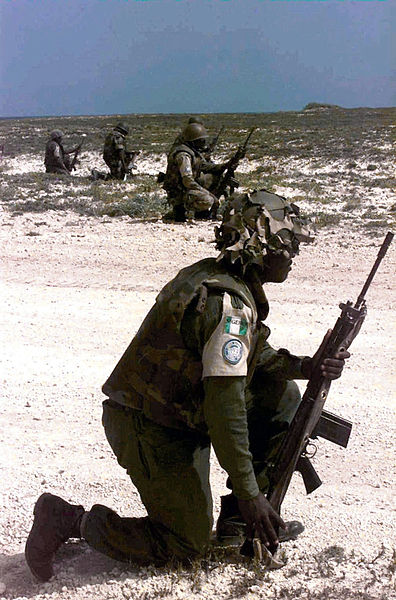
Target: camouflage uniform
{"x":56,"y":159}
{"x":114,"y":151}
{"x":189,"y":174}
{"x":185,"y":167}
{"x":199,"y":371}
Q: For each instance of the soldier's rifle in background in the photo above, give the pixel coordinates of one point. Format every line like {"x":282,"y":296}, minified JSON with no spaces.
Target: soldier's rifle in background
{"x":310,"y":420}
{"x":213,"y":144}
{"x":130,"y":161}
{"x":76,"y":151}
{"x":227,"y":183}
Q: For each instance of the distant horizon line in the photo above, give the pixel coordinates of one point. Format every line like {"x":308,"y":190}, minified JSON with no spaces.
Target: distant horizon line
{"x":238,"y":112}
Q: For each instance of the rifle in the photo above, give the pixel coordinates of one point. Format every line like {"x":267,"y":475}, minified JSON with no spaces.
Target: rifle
{"x":310,"y":420}
{"x":76,"y":152}
{"x":130,"y":157}
{"x":227,"y":179}
{"x":211,"y":147}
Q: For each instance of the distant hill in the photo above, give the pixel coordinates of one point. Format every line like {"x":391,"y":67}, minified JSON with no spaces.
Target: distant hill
{"x":321,"y":106}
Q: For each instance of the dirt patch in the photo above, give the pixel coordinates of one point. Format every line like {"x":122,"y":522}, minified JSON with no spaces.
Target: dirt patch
{"x":75,"y":289}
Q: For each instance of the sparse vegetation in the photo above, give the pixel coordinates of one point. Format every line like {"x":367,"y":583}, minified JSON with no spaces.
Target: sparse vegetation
{"x":324,"y":219}
{"x":317,"y":157}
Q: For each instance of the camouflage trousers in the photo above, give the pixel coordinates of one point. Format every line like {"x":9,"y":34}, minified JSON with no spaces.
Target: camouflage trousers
{"x":170,"y":469}
{"x":193,"y":200}
{"x":58,"y":170}
{"x":117,"y":170}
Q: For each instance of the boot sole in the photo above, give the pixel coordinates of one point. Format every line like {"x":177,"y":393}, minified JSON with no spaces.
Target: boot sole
{"x":36,"y":508}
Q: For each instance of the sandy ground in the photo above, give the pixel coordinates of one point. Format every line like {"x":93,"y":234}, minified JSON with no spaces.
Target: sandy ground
{"x":75,"y":290}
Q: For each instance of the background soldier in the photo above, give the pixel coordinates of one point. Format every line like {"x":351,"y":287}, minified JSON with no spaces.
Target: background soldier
{"x":178,"y":141}
{"x":189,"y":175}
{"x":115,"y":154}
{"x":57,"y":159}
{"x":200,"y":371}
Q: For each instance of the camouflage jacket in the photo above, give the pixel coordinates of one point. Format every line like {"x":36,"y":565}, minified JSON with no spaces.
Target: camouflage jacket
{"x":179,"y":140}
{"x":54,"y":155}
{"x":158,"y":372}
{"x":182,"y":174}
{"x":114,"y":148}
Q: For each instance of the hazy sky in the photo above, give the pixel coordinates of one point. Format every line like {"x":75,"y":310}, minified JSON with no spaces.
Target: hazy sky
{"x":67,"y":57}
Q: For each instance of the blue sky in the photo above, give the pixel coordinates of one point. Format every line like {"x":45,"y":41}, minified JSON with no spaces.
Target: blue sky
{"x":70,"y":57}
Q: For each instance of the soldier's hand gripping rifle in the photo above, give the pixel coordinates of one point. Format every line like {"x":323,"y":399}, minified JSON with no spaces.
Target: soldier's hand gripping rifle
{"x":310,"y":420}
{"x":227,"y":180}
{"x":130,"y":160}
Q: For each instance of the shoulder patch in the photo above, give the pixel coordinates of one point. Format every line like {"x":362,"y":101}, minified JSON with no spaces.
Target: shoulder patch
{"x":236,"y":325}
{"x":232,"y":351}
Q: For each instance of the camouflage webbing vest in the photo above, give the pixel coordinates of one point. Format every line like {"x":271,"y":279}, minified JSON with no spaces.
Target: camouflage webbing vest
{"x":158,"y":373}
{"x":114,"y":143}
{"x":50,"y":159}
{"x":173,"y":182}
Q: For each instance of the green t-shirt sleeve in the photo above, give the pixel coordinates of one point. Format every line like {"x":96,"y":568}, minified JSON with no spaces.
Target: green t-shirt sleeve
{"x":224,"y":403}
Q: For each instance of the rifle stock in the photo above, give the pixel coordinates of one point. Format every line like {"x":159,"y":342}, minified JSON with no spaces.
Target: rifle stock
{"x":310,"y":419}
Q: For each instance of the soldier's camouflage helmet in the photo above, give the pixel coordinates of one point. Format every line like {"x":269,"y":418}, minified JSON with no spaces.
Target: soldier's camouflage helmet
{"x":193,"y":132}
{"x":122,"y":128}
{"x":56,"y":134}
{"x":257,"y":223}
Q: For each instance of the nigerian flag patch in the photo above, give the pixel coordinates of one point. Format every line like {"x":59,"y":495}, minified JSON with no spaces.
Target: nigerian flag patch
{"x":236,"y":326}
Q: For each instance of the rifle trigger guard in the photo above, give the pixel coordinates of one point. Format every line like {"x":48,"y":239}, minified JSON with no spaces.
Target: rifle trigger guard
{"x":310,"y":450}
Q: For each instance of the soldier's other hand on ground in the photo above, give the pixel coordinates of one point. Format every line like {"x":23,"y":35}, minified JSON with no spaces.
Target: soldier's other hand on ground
{"x":331,"y":367}
{"x":261,"y":519}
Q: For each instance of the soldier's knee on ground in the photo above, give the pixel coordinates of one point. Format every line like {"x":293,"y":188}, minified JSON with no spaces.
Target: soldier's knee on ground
{"x":68,"y":162}
{"x":197,"y":200}
{"x":142,"y":540}
{"x":193,"y":545}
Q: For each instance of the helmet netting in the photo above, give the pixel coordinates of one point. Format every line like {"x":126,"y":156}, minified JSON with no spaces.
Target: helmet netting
{"x":258,"y":223}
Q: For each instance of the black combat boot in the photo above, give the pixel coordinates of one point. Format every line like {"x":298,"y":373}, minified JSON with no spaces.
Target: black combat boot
{"x":202,"y":215}
{"x":231,"y":529}
{"x":176,"y":215}
{"x":55,"y":521}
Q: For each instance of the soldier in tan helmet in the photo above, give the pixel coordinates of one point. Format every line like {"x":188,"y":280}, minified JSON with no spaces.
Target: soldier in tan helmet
{"x":57,"y":159}
{"x":179,"y":138}
{"x":200,"y":372}
{"x":114,"y":151}
{"x":189,"y":175}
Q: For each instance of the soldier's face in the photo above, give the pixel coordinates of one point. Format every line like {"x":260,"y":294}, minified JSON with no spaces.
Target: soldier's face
{"x":200,"y":143}
{"x":276,"y":267}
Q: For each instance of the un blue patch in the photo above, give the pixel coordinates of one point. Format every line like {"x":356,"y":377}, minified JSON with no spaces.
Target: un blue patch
{"x":232,"y":351}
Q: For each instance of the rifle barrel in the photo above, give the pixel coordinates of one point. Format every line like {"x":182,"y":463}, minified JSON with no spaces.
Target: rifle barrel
{"x":381,"y":253}
{"x":249,"y":136}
